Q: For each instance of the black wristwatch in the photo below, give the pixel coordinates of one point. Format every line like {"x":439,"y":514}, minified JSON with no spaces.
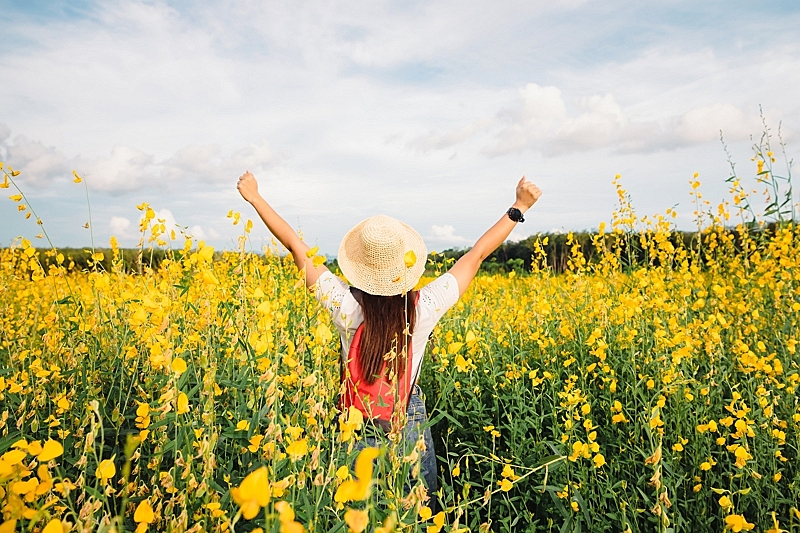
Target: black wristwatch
{"x":515,"y":214}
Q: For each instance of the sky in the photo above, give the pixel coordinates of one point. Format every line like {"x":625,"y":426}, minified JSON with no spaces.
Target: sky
{"x":427,"y":111}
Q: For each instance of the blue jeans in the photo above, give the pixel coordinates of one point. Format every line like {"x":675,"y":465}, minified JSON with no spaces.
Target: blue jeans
{"x":417,"y":417}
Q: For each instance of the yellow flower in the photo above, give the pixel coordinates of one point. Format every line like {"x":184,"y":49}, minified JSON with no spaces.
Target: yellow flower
{"x":255,"y":443}
{"x":297,"y":449}
{"x":106,"y":469}
{"x":425,"y":513}
{"x":410,"y":259}
{"x":725,"y":503}
{"x":50,"y":450}
{"x":438,"y":523}
{"x":364,"y":465}
{"x":389,"y":524}
{"x":356,"y":520}
{"x":214,"y":507}
{"x":618,"y":418}
{"x":358,"y":489}
{"x":53,"y":526}
{"x":209,"y":278}
{"x":183,"y":404}
{"x":286,"y":518}
{"x":294,"y":432}
{"x":24,"y":487}
{"x":343,"y":472}
{"x":350,"y":421}
{"x":737,"y":523}
{"x":253,"y":493}
{"x":143,"y":516}
{"x":178,"y":365}
{"x":505,"y":485}
{"x":206,"y":253}
{"x":599,"y":460}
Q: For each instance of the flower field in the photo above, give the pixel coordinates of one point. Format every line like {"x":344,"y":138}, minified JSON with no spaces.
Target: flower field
{"x":201,"y":395}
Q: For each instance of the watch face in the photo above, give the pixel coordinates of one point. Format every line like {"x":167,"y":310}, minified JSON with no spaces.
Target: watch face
{"x":515,"y":214}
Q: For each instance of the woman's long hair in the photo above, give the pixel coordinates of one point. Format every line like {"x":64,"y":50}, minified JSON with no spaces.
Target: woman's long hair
{"x":388,"y":324}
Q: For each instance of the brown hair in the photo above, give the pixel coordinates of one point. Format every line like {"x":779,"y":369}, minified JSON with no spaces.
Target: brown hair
{"x":385,"y":320}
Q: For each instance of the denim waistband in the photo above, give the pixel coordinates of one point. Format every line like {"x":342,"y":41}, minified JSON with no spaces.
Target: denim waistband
{"x":414,"y":411}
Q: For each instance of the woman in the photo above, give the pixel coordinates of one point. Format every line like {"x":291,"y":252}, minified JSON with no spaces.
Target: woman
{"x":383,"y":323}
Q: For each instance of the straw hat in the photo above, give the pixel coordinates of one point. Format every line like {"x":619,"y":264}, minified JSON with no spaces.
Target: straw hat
{"x":373,"y":256}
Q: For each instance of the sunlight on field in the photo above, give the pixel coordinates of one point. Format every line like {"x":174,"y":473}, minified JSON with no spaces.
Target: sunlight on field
{"x":201,"y":395}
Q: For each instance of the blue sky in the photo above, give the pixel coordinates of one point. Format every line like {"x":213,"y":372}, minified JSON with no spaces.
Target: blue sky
{"x":426,"y":111}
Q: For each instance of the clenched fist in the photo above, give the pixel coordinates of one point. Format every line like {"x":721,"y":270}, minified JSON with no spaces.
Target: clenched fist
{"x":248,"y":186}
{"x":527,"y":194}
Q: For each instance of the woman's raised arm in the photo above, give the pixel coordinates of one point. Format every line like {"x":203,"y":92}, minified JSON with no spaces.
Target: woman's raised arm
{"x":248,"y":188}
{"x":465,"y":268}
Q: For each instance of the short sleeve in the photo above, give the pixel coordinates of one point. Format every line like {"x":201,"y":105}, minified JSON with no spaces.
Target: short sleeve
{"x":334,"y":295}
{"x":438,"y":296}
{"x":330,"y":290}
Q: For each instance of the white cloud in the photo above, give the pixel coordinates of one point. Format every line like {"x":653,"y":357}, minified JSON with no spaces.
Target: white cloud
{"x":703,"y":124}
{"x":119,"y":226}
{"x":209,"y":164}
{"x":197,"y":232}
{"x":539,"y":121}
{"x":126,"y":169}
{"x":40,"y":164}
{"x":516,"y":236}
{"x":129,"y":169}
{"x":445,"y":235}
{"x":438,"y":141}
{"x":600,"y":124}
{"x":166,"y":217}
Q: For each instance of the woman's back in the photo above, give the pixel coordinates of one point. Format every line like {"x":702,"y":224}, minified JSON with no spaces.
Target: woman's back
{"x":434,"y":300}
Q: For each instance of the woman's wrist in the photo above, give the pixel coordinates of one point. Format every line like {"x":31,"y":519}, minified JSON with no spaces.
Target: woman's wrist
{"x":521,"y":206}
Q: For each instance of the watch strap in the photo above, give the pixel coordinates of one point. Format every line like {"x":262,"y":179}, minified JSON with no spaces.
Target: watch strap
{"x":515,"y":214}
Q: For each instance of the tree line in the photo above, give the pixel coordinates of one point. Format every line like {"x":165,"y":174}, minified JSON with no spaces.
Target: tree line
{"x":552,"y":251}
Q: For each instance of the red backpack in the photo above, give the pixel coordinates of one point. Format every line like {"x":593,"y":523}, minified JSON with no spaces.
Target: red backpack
{"x":376,"y":401}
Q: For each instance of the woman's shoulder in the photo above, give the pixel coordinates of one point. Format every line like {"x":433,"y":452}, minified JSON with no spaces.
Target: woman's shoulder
{"x":331,"y":290}
{"x":440,"y":293}
{"x":445,"y":282}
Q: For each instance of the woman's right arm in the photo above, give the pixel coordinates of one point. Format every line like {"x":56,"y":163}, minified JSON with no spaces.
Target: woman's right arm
{"x":248,"y":188}
{"x":465,"y":268}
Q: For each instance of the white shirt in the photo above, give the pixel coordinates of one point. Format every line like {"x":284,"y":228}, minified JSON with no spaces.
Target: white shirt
{"x":435,"y":299}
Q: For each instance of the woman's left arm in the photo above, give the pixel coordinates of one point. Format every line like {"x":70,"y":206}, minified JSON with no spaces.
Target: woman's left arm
{"x":248,"y":188}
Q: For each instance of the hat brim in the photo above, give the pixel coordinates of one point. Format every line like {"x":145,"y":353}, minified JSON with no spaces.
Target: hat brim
{"x":390,"y":281}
